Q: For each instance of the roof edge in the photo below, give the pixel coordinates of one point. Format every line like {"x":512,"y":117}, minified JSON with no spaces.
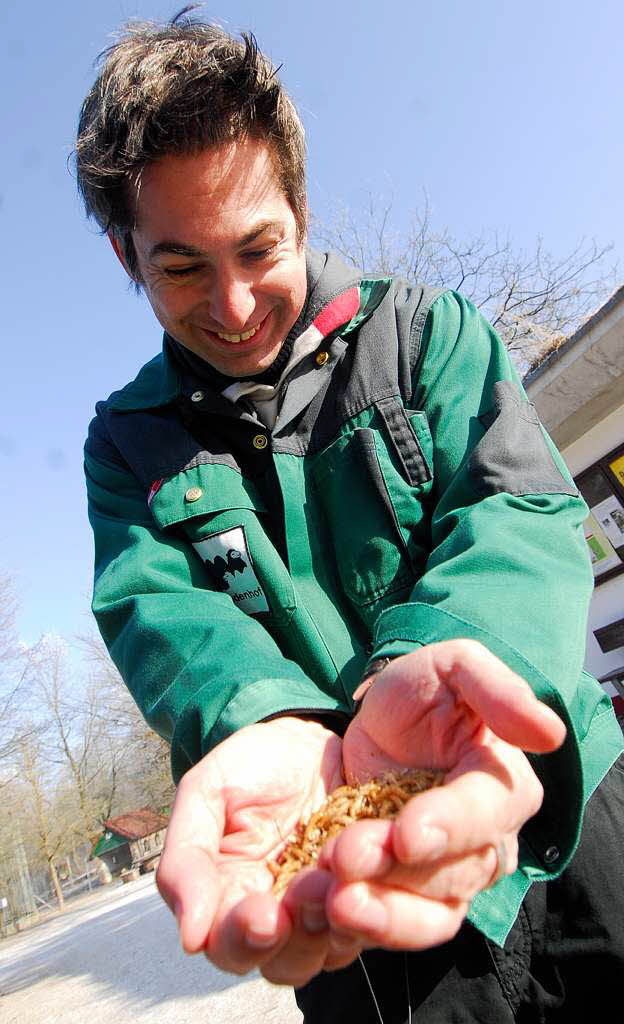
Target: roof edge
{"x":578,"y":335}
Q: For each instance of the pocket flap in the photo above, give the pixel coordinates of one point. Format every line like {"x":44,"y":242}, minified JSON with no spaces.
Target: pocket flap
{"x":203,"y":490}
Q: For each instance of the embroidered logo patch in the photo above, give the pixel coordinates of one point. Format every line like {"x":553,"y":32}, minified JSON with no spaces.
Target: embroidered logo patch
{"x":227,"y":559}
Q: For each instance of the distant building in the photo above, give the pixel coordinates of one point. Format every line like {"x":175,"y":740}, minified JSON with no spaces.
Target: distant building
{"x":133,"y":840}
{"x":578,"y":391}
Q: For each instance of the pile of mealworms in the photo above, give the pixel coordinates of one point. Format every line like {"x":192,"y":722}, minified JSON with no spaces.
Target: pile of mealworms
{"x":379,"y":798}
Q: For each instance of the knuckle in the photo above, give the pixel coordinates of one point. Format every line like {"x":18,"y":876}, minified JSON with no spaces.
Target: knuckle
{"x":512,"y":854}
{"x":284,"y":974}
{"x":536,"y":795}
{"x":454,"y":921}
{"x":468,"y":652}
{"x":470,"y":648}
{"x":229,"y":964}
{"x":162,"y":879}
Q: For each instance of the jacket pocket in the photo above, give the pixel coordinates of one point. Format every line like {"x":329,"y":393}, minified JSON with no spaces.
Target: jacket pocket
{"x":221,"y":514}
{"x":372,"y":485}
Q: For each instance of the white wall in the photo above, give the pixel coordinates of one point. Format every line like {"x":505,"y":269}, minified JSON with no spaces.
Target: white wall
{"x":607,"y":603}
{"x":595,"y":443}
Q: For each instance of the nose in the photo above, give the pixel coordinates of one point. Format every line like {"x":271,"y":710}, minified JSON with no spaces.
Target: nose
{"x":232,"y":301}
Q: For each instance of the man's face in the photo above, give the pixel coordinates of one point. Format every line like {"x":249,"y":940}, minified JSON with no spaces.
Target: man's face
{"x":216,"y":244}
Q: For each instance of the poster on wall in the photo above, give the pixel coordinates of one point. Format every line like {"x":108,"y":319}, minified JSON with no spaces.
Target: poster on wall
{"x":602,"y":487}
{"x":603,"y":555}
{"x":610,"y":515}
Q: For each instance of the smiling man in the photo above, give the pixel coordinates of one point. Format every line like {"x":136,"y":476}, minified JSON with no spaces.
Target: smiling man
{"x":329,"y":533}
{"x":220,"y":254}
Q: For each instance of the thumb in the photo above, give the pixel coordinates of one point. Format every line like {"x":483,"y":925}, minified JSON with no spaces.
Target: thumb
{"x":501,"y":698}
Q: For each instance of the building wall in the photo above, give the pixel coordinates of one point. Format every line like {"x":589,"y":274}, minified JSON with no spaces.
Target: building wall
{"x":607,"y":603}
{"x":147,"y":847}
{"x":117,"y":859}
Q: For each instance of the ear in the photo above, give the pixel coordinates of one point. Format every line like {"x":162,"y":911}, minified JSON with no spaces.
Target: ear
{"x":119,"y":253}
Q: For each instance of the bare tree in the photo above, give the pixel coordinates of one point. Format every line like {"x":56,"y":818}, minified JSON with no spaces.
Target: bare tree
{"x":35,"y":800}
{"x":75,"y":741}
{"x":533,"y":299}
{"x":13,"y":669}
{"x":142,"y":758}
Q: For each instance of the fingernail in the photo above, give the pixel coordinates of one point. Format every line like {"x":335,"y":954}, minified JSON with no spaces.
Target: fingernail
{"x":260,"y":940}
{"x":426,"y":843}
{"x":369,"y":861}
{"x":314,"y":918}
{"x":369,"y":914}
{"x":432,"y":841}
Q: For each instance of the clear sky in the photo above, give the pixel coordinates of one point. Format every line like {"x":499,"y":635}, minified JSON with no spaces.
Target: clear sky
{"x":508,"y":114}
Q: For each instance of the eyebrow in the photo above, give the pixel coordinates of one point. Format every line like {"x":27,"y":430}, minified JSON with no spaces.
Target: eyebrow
{"x":174,"y":248}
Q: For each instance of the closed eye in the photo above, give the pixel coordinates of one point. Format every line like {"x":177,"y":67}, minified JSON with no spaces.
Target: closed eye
{"x":257,"y":255}
{"x":181,"y":271}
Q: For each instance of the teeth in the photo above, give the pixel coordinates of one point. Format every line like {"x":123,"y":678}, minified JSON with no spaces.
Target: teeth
{"x":235,"y":338}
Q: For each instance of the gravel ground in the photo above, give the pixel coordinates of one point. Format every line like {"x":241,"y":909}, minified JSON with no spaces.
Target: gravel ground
{"x":114,"y":957}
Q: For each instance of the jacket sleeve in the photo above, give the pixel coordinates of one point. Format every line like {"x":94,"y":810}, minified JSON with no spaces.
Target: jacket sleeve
{"x":508,"y":564}
{"x":198,"y":667}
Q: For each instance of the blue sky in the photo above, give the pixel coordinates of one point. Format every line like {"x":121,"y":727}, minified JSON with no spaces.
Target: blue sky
{"x":507,"y":114}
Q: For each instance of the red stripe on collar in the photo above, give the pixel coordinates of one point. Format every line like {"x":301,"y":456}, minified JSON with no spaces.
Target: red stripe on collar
{"x":339,"y":311}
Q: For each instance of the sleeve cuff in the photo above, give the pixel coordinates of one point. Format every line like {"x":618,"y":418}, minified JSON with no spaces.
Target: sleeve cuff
{"x":255,"y":702}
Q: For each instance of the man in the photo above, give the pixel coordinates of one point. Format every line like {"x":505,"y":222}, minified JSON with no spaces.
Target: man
{"x":329,"y":494}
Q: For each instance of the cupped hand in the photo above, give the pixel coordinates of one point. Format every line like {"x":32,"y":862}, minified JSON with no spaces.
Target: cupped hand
{"x":232,"y":813}
{"x":451,"y":707}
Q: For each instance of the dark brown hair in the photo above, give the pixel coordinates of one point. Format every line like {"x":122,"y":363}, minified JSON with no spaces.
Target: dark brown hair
{"x":176,"y":89}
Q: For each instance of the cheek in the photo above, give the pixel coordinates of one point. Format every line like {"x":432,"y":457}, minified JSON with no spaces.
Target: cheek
{"x":171,"y":304}
{"x":292,"y":294}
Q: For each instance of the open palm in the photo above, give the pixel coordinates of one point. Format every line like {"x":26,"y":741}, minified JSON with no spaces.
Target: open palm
{"x":232,"y":813}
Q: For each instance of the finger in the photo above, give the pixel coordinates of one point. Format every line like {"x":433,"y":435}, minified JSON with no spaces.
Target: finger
{"x":299,"y":960}
{"x":190,"y":885}
{"x":249,"y":934}
{"x":363,"y":852}
{"x":392,"y":918}
{"x":342,"y":950}
{"x":410,"y":686}
{"x":305,"y":953}
{"x":504,"y":700}
{"x":471,"y":811}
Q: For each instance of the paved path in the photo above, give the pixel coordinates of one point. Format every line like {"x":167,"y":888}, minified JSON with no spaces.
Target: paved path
{"x":115,"y":959}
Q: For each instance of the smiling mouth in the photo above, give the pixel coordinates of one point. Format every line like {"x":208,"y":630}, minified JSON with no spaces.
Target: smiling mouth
{"x":235,"y":339}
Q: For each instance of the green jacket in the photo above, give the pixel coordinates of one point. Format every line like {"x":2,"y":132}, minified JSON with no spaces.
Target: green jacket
{"x":406,"y":494}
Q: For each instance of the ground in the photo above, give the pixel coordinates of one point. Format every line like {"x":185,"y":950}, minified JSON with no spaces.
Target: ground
{"x":115,"y":957}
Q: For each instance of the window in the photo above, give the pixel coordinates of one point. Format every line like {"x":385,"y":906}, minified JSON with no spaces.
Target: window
{"x":602,"y":486}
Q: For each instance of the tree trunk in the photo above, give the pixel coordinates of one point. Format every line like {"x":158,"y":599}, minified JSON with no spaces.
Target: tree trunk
{"x":57,"y":885}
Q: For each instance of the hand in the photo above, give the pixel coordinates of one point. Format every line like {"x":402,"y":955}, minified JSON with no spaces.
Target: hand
{"x":451,"y":707}
{"x":231,"y":814}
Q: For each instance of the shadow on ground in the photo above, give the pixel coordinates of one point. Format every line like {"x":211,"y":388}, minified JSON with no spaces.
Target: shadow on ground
{"x":130,"y":948}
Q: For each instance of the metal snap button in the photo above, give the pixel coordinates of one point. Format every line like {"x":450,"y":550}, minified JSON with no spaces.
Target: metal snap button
{"x":260,"y":441}
{"x":321,"y":358}
{"x":551,"y":855}
{"x":193,"y":493}
{"x":197,"y":396}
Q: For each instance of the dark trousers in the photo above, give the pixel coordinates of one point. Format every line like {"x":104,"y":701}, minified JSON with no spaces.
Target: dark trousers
{"x":563,"y":960}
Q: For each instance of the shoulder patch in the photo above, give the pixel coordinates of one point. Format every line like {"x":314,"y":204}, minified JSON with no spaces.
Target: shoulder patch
{"x":513,"y":456}
{"x":227,"y":559}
